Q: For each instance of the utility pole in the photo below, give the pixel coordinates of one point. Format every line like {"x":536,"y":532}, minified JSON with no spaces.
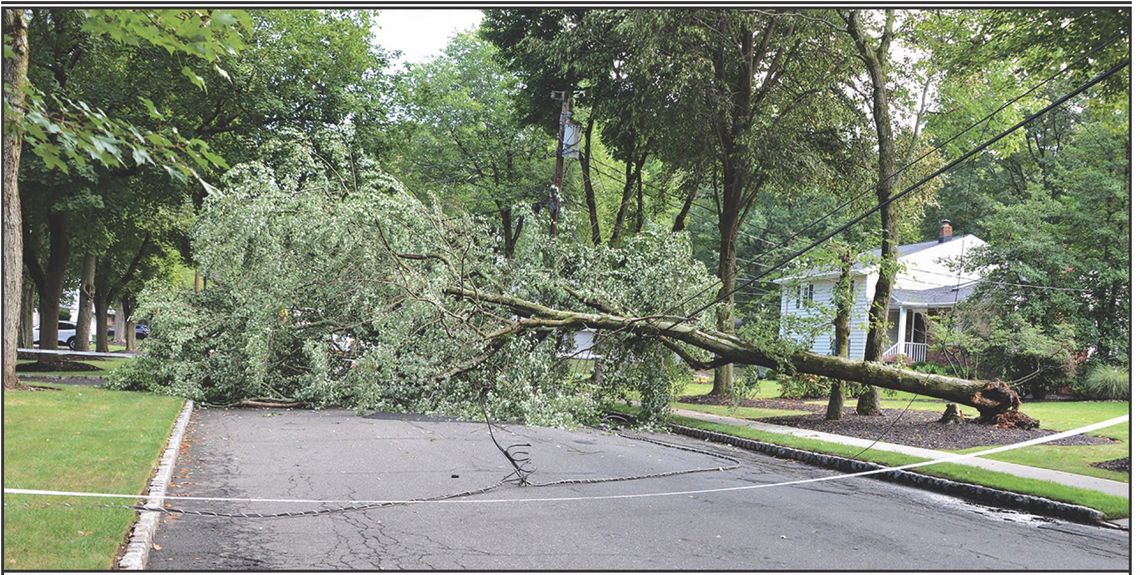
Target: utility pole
{"x":559,"y":161}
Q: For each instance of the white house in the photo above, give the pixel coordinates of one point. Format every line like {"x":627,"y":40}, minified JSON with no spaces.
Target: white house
{"x":927,"y":284}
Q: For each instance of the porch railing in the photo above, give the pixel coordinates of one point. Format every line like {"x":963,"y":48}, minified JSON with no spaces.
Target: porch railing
{"x":915,"y":352}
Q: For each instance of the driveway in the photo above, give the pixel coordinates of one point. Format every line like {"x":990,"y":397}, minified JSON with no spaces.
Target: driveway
{"x":848,"y":524}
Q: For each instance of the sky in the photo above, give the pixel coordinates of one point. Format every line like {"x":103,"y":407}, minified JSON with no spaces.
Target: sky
{"x":421,"y":34}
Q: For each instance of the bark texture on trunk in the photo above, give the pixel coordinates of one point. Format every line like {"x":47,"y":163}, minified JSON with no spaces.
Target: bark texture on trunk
{"x":690,"y":197}
{"x":101,"y":339}
{"x":511,"y":232}
{"x":843,"y":302}
{"x":27,"y":307}
{"x":632,"y":172}
{"x":875,"y":60}
{"x":15,"y":73}
{"x":49,"y":279}
{"x":726,"y":271}
{"x":996,"y":401}
{"x":127,"y":310}
{"x":120,"y":327}
{"x":86,"y":295}
{"x":588,"y":183}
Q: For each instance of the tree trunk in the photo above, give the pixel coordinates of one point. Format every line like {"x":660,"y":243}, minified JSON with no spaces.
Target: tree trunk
{"x":690,"y":197}
{"x":994,"y":400}
{"x":127,"y":307}
{"x":27,"y":309}
{"x":588,"y":184}
{"x":15,"y":73}
{"x":120,"y":327}
{"x":639,"y":221}
{"x":632,"y":170}
{"x":726,"y":271}
{"x":875,"y":59}
{"x":86,"y":292}
{"x":843,"y":303}
{"x":49,"y":280}
{"x":511,"y":231}
{"x":101,"y":305}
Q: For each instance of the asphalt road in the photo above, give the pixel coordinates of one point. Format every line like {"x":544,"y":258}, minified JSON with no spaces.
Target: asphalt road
{"x":849,"y":524}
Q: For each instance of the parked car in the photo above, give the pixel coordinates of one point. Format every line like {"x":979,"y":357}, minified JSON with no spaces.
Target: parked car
{"x":141,"y":331}
{"x":66,"y":335}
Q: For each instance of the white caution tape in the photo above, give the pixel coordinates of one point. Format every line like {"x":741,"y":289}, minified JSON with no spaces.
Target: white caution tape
{"x":947,"y":459}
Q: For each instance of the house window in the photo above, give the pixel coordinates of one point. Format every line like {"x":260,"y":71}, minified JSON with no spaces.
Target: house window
{"x":804,"y":294}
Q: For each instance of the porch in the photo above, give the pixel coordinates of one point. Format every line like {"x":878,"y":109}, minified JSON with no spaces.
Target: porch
{"x":908,"y":335}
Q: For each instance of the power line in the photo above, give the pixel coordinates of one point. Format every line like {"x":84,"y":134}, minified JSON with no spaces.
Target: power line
{"x":945,"y":168}
{"x":996,"y":282}
{"x":1083,"y":57}
{"x":851,"y":223}
{"x":977,"y":149}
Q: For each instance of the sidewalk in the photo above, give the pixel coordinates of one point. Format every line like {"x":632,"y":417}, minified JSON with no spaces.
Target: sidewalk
{"x":1070,"y":479}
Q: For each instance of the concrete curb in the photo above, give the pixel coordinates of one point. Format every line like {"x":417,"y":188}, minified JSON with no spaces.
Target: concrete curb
{"x":142,"y":534}
{"x":984,"y":495}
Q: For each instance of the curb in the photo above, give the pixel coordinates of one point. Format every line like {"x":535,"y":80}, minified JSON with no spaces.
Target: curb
{"x":142,"y":534}
{"x":984,"y":495}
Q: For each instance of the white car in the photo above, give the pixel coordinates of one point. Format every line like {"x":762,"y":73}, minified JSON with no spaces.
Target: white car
{"x":66,"y":335}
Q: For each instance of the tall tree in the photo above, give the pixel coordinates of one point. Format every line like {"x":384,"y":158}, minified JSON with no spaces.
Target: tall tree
{"x":594,"y":52}
{"x":464,"y":139}
{"x":15,"y":71}
{"x":1050,"y":203}
{"x":747,"y":84}
{"x":875,"y":54}
{"x":65,"y":131}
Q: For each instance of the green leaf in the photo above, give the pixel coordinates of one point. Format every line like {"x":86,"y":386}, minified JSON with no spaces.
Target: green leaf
{"x":223,"y":73}
{"x":222,"y":18}
{"x":49,"y":153}
{"x":140,"y":156}
{"x":194,"y":78}
{"x":152,"y":109}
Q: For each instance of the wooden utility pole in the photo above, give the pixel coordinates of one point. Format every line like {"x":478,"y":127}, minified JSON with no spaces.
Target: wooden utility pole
{"x":559,"y":161}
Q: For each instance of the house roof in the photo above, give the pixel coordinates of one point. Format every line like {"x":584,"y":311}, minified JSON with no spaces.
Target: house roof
{"x":864,"y":268}
{"x":945,"y":296}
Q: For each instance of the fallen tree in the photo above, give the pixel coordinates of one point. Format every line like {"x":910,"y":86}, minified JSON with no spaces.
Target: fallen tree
{"x":997,"y":403}
{"x":368,"y":297}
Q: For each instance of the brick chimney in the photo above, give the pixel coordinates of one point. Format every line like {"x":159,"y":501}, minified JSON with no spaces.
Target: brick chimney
{"x":945,"y":232}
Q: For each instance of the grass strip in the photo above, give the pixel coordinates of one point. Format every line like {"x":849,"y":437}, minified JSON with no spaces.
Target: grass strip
{"x":742,"y":412}
{"x":77,"y":438}
{"x":1054,"y":415}
{"x":1112,"y":506}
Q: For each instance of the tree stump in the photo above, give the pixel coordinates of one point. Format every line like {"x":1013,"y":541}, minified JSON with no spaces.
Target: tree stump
{"x":953,"y":414}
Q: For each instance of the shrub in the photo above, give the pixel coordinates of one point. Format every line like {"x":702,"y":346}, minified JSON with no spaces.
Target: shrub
{"x":932,"y":368}
{"x":1107,"y":382}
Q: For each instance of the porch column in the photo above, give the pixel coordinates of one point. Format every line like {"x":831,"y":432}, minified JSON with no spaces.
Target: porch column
{"x":902,"y":330}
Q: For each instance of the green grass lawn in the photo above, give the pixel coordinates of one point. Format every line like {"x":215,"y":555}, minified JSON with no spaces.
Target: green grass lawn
{"x":766,"y":389}
{"x":1054,"y":415}
{"x":76,"y":438}
{"x":1066,"y":415}
{"x":1112,"y":506}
